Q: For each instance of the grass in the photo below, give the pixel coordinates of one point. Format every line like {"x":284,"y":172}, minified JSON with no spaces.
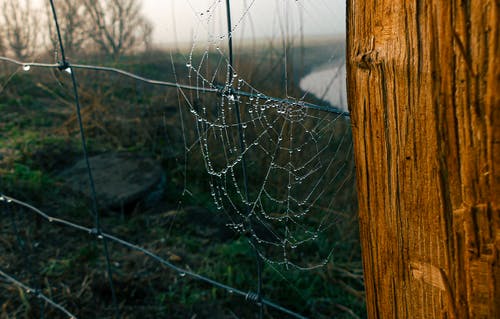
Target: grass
{"x":40,"y":138}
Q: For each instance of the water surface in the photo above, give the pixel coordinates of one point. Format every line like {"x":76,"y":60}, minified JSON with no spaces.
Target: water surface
{"x":328,"y":83}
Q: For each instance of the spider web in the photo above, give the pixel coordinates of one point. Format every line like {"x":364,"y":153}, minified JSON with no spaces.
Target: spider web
{"x":280,"y":170}
{"x":276,"y":159}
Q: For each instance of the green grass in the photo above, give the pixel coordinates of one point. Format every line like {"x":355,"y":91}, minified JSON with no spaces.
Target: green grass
{"x":39,"y":138}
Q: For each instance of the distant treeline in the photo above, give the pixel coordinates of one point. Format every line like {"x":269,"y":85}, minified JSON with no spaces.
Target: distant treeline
{"x":109,"y":27}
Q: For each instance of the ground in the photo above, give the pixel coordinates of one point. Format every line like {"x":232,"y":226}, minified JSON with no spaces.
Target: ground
{"x":40,"y":139}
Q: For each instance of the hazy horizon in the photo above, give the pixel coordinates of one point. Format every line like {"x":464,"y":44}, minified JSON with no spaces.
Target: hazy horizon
{"x":185,"y":20}
{"x":181,"y":21}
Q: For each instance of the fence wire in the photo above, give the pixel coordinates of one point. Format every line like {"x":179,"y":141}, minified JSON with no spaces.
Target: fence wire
{"x":213,"y":88}
{"x":100,"y":235}
{"x":36,"y":293}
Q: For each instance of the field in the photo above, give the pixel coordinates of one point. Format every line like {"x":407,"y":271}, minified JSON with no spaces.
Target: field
{"x":188,"y":224}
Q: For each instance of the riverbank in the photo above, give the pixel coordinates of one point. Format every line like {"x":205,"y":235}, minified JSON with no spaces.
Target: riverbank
{"x":328,"y":83}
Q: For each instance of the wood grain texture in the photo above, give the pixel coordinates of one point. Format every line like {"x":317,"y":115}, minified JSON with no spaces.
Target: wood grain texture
{"x":423,"y":90}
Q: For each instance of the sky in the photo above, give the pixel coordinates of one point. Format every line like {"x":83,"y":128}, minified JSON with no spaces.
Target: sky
{"x":183,"y":20}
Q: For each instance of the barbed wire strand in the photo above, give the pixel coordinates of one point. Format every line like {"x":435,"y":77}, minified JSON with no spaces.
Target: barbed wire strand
{"x":64,"y":65}
{"x":217,"y":89}
{"x":226,"y":90}
{"x":250,"y":296}
{"x":37,"y":293}
{"x":27,"y":261}
{"x":243,"y":156}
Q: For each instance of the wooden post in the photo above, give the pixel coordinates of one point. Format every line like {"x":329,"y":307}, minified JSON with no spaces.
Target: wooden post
{"x":424,"y":96}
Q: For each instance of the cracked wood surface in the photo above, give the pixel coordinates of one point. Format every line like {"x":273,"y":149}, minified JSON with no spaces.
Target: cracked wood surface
{"x":423,"y":89}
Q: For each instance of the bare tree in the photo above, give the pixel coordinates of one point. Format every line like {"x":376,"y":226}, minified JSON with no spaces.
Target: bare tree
{"x":117,"y":26}
{"x":20,"y":28}
{"x":2,"y":44}
{"x":71,"y":18}
{"x":147,"y":32}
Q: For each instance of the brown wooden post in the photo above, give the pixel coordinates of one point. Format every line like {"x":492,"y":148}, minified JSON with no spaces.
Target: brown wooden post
{"x":424,"y":96}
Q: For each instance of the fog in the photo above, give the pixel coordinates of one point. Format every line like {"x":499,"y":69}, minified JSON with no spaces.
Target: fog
{"x":183,"y":20}
{"x":178,"y":21}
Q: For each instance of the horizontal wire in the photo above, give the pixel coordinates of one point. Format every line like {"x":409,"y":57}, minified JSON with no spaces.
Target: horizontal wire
{"x":248,"y":295}
{"x":218,"y":89}
{"x":36,"y":293}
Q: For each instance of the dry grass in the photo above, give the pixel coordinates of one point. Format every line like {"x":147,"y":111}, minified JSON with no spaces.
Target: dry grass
{"x":120,"y":114}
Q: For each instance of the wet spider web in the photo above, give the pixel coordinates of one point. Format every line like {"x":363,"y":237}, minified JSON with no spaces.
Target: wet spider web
{"x":276,"y":160}
{"x":280,"y":169}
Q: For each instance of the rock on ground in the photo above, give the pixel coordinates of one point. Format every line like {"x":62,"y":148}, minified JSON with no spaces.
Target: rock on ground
{"x":119,"y":178}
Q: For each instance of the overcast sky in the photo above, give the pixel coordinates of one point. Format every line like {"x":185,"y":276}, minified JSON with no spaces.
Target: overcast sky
{"x":186,"y":19}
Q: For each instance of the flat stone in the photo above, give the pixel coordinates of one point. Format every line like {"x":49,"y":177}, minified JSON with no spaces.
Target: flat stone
{"x":119,"y":178}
